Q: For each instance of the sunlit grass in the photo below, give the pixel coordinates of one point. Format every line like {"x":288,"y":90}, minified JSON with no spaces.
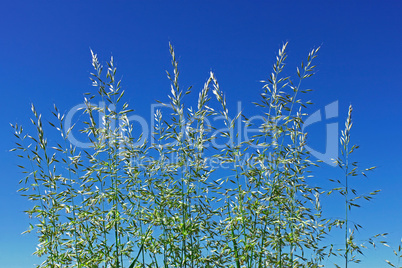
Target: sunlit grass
{"x":122,"y":203}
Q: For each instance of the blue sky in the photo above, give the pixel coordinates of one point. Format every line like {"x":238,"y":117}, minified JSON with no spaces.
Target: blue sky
{"x":45,"y":59}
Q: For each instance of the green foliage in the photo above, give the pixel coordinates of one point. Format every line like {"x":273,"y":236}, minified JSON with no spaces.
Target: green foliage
{"x":123,"y":203}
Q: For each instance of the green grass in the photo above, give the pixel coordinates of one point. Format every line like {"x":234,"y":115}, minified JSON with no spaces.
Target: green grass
{"x":122,"y":203}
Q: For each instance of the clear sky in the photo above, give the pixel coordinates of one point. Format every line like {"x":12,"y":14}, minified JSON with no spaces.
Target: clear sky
{"x":45,"y":59}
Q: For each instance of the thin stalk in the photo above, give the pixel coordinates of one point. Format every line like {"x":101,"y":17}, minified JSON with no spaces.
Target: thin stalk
{"x":345,"y":142}
{"x":234,"y":240}
{"x":71,"y":187}
{"x":69,"y":153}
{"x":53,"y":184}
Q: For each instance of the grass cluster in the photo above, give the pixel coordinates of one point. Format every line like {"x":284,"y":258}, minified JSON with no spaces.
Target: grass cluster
{"x":126,"y":203}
